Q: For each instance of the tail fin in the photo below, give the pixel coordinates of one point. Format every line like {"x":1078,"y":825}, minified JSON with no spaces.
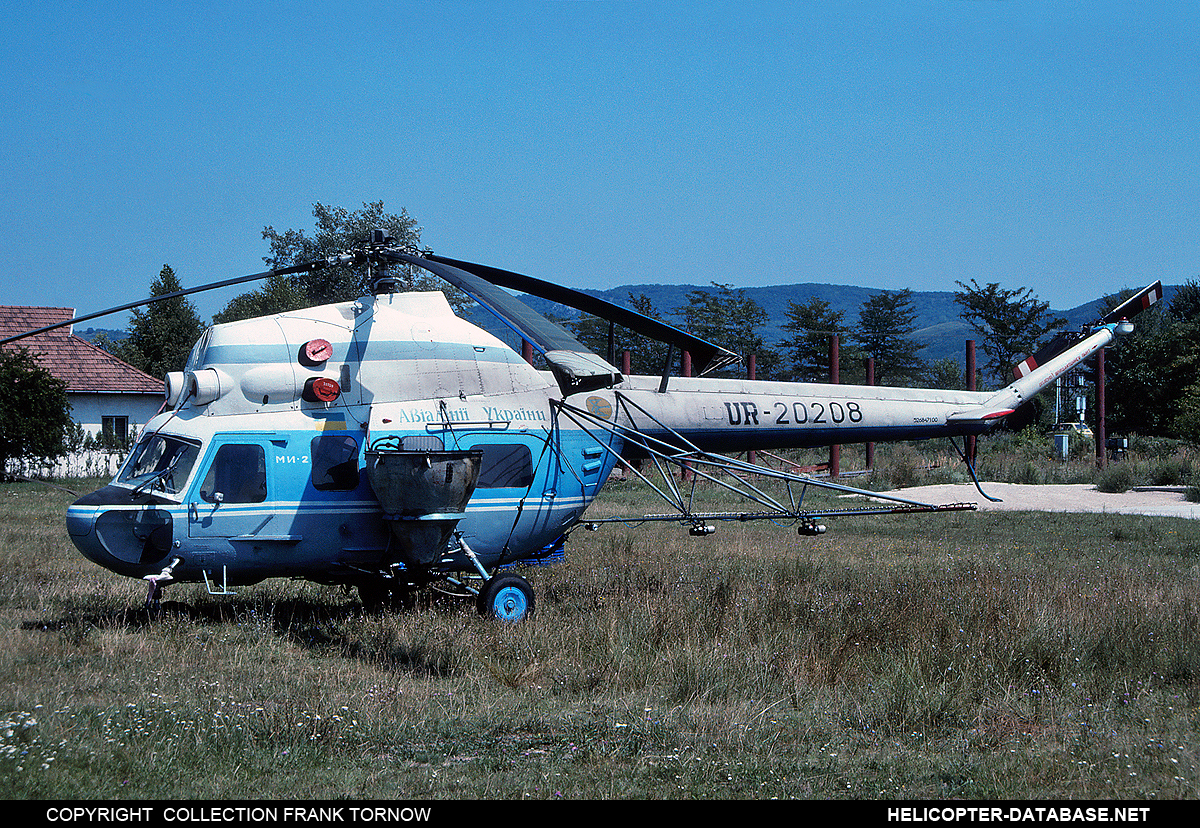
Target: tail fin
{"x":1129,"y":308}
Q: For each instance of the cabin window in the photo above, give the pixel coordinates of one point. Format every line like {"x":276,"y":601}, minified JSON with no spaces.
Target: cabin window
{"x":505,"y":466}
{"x":334,"y":463}
{"x":238,"y":474}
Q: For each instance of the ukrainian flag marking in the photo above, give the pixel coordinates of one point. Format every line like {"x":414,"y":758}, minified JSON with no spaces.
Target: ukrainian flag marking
{"x":329,"y":420}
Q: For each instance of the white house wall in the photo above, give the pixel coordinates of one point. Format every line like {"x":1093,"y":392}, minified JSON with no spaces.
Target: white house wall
{"x":89,"y":409}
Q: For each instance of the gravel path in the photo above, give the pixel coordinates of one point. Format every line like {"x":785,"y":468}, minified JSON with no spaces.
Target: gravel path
{"x":1083,"y":497}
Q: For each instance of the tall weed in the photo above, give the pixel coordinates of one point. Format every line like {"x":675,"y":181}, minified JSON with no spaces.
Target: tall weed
{"x":970,"y":655}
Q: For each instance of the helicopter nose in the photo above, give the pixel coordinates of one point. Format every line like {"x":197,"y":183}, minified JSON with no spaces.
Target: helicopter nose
{"x":81,"y":527}
{"x":129,"y":539}
{"x":81,"y":521}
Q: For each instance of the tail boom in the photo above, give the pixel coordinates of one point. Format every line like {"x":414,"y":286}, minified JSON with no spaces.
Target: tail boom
{"x":1008,"y":399}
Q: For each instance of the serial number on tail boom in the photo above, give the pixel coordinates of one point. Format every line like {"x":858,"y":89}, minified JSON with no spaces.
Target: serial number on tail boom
{"x":746,"y":412}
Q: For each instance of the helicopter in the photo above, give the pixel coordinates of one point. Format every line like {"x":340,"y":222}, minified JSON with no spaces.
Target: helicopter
{"x":387,"y":444}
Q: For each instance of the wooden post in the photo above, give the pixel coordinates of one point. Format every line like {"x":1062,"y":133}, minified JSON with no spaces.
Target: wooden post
{"x":835,"y":451}
{"x":527,"y":351}
{"x":970,"y":447}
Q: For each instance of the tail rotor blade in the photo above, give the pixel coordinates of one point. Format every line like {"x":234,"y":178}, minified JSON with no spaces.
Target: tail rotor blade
{"x":1060,"y":342}
{"x":1131,"y":307}
{"x":1135,"y":304}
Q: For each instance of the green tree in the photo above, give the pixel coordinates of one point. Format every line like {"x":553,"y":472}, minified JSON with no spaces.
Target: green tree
{"x":161,"y":334}
{"x":945,"y":373}
{"x":1152,"y":376}
{"x":35,"y":417}
{"x":729,"y":318}
{"x":645,"y":355}
{"x":1185,"y":309}
{"x":886,"y":322}
{"x":811,"y":324}
{"x":279,"y":294}
{"x":1011,"y":324}
{"x":337,"y":231}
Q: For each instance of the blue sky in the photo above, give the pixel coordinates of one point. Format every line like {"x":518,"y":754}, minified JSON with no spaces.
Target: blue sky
{"x":1050,"y":145}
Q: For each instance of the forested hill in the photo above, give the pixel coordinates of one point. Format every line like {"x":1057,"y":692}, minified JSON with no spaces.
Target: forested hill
{"x":938,"y":325}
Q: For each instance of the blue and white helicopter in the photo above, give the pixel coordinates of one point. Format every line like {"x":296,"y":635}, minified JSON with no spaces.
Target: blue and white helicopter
{"x":389,"y":445}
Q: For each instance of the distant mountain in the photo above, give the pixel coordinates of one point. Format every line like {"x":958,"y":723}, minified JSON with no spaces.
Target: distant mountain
{"x":938,"y":325}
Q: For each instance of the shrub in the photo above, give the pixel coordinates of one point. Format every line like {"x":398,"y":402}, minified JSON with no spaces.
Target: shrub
{"x":1116,"y":478}
{"x":1173,"y":472}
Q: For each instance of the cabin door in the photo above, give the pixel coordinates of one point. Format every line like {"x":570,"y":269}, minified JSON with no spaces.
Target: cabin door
{"x":230,"y":498}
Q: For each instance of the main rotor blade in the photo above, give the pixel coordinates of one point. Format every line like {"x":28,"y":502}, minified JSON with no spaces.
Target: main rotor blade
{"x":573,"y":364}
{"x":703,"y":352}
{"x":282,"y":271}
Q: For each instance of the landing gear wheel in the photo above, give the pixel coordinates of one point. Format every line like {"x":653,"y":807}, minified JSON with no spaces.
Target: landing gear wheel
{"x":507,"y":597}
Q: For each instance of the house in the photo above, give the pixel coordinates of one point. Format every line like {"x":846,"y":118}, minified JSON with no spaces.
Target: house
{"x":108,"y":397}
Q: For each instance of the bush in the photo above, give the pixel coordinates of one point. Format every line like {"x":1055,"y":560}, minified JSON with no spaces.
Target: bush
{"x":1115,"y":479}
{"x":1174,"y":472}
{"x":1155,"y":448}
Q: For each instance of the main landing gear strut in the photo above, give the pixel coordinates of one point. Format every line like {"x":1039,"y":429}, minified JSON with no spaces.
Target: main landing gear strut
{"x":502,"y":595}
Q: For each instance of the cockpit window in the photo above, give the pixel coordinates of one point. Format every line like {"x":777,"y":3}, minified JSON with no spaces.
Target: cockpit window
{"x":238,"y":474}
{"x":160,"y":463}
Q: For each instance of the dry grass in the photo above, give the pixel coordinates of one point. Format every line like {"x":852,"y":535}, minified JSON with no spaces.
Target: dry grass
{"x":961,"y":655}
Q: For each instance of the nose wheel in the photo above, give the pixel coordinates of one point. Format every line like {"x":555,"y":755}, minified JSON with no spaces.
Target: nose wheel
{"x":507,"y":597}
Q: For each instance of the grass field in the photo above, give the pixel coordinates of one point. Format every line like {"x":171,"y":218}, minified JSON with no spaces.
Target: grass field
{"x":968,"y":655}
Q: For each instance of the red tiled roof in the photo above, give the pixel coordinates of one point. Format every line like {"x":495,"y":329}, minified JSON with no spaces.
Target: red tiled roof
{"x":81,"y":365}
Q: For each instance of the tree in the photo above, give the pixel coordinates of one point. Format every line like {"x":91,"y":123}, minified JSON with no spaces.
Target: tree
{"x":945,"y":373}
{"x":812,"y":324}
{"x":161,"y":334}
{"x":1185,"y":304}
{"x":1152,"y":375}
{"x":1185,"y":370}
{"x":1011,"y":325}
{"x":35,"y":417}
{"x":337,"y":230}
{"x":885,"y":325}
{"x":729,"y":318}
{"x":278,"y":294}
{"x":645,"y":354}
